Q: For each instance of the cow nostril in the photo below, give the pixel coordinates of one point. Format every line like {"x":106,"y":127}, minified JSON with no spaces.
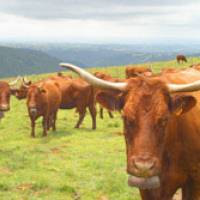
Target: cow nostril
{"x":144,"y":165}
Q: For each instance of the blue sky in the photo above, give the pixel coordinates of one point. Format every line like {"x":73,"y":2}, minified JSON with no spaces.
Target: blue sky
{"x":119,"y":21}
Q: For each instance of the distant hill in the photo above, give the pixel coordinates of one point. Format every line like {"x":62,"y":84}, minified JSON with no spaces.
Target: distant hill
{"x":19,"y":61}
{"x":32,"y":58}
{"x":98,"y":55}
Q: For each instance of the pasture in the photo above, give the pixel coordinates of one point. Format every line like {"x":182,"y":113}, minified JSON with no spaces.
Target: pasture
{"x":69,"y":164}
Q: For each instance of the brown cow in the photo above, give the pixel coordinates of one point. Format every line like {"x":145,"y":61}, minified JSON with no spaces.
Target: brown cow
{"x":162,"y":131}
{"x":75,"y":93}
{"x":43,"y":100}
{"x":6,"y":89}
{"x":106,"y":77}
{"x":180,"y":58}
{"x":135,"y":71}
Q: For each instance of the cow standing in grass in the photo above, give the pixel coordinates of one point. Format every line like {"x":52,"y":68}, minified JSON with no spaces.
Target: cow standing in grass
{"x":75,"y":93}
{"x":43,"y":100}
{"x":106,"y":77}
{"x":181,"y":58}
{"x":6,"y":89}
{"x":161,"y":129}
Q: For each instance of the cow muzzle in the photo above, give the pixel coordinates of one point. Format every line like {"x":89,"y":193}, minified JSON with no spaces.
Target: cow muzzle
{"x":33,"y":110}
{"x":4,"y":107}
{"x":143,"y":170}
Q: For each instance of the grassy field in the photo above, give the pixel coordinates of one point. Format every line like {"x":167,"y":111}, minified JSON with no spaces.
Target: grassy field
{"x":69,"y":164}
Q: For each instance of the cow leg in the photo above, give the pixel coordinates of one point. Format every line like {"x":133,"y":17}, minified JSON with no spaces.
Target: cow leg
{"x":54,"y":121}
{"x":101,"y":112}
{"x":93,"y":114}
{"x":191,"y":191}
{"x":81,"y":117}
{"x":32,"y":127}
{"x":45,"y":124}
{"x":110,"y":114}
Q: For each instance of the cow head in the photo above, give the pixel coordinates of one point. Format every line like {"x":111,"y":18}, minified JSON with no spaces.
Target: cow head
{"x":148,"y":105}
{"x":4,"y":96}
{"x":21,"y":92}
{"x":34,"y":98}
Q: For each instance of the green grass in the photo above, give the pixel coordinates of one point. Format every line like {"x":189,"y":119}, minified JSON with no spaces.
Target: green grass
{"x":69,"y":164}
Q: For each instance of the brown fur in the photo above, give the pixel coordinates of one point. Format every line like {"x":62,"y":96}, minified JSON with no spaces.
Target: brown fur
{"x":78,"y":94}
{"x":106,"y":77}
{"x":196,"y":66}
{"x":75,"y":93}
{"x":163,"y":129}
{"x":135,"y":71}
{"x":45,"y":100}
{"x":5,"y":92}
{"x":181,"y":58}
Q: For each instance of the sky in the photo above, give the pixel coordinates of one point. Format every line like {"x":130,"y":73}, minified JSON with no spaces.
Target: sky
{"x":99,"y":21}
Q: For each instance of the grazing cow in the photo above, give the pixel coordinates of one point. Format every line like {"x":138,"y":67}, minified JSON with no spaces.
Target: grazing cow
{"x":43,"y":100}
{"x":135,"y":71}
{"x":161,"y":129}
{"x":180,"y":58}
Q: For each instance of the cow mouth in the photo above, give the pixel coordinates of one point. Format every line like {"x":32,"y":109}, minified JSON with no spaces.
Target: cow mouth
{"x":144,"y":183}
{"x":33,"y":111}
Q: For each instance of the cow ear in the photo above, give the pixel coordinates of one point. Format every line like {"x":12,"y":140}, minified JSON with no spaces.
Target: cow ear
{"x":111,"y":101}
{"x":182,"y":103}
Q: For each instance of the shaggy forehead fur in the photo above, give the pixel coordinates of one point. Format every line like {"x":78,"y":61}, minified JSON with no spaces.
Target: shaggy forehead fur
{"x":146,"y":96}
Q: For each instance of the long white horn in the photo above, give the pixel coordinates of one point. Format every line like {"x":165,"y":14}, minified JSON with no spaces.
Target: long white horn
{"x":94,"y":80}
{"x":190,"y":87}
{"x":15,"y":81}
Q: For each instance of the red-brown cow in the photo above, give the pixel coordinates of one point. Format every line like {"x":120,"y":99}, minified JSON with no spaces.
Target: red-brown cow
{"x":75,"y":93}
{"x":135,"y":71}
{"x":43,"y":100}
{"x":6,"y":89}
{"x":180,"y":58}
{"x":106,"y":77}
{"x":162,"y":131}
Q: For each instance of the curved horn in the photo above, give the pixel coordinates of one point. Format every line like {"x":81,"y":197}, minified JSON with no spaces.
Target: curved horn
{"x":15,"y":81}
{"x":25,"y":81}
{"x":189,"y":87}
{"x":94,"y":80}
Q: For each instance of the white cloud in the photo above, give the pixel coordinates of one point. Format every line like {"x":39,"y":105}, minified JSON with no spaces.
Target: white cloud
{"x":125,"y":22}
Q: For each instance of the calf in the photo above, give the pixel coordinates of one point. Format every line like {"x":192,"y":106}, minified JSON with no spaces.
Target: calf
{"x":43,"y":100}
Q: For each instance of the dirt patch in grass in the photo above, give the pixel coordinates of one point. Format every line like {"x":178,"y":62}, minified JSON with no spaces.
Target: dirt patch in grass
{"x":25,"y":186}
